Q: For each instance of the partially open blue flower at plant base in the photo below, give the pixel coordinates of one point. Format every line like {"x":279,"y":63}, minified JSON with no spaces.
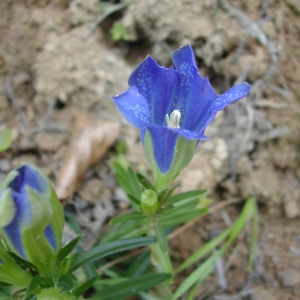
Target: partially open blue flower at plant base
{"x":172,"y":108}
{"x":31,"y":217}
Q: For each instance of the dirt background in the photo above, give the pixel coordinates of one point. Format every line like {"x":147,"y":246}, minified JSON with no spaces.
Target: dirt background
{"x":60,"y":62}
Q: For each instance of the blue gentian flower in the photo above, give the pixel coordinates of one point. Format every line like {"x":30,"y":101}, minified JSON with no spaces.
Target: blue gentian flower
{"x":31,"y":217}
{"x":172,"y":108}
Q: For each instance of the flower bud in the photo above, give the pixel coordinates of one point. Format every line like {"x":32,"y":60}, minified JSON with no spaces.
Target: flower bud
{"x":149,"y":202}
{"x":31,"y":217}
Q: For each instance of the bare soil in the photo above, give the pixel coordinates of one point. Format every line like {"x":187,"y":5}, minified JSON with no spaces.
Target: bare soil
{"x":54,"y":69}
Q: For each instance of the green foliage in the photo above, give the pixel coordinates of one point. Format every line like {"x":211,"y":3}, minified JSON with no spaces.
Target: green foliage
{"x":119,"y":33}
{"x":6,"y":137}
{"x":197,"y":276}
{"x":131,"y":286}
{"x":101,"y":251}
{"x":128,"y":181}
{"x":67,"y":249}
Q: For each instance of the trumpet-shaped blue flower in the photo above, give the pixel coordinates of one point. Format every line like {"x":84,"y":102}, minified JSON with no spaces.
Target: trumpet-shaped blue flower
{"x":31,"y":217}
{"x":171,"y":106}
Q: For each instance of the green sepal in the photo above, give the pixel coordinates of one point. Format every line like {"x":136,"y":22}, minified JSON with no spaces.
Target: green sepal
{"x":7,"y":208}
{"x":183,"y":154}
{"x":37,"y":247}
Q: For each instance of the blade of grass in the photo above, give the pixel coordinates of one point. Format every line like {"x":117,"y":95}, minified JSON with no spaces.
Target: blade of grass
{"x":207,"y":267}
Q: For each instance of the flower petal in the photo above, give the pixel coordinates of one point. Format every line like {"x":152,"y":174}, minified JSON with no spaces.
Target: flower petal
{"x":233,"y":94}
{"x":163,"y":142}
{"x":49,"y":233}
{"x":157,"y":85}
{"x":230,"y":96}
{"x":133,"y":107}
{"x":192,"y":135}
{"x":193,"y":93}
{"x":29,"y":176}
{"x":13,"y":234}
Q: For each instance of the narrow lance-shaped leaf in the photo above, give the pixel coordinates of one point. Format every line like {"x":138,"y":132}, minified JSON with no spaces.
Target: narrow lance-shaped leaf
{"x":135,"y":216}
{"x":131,"y":287}
{"x":67,"y":249}
{"x":108,"y":249}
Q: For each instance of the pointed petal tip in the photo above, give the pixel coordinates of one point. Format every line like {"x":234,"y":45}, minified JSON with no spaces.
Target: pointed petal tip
{"x":184,"y":55}
{"x":133,"y":106}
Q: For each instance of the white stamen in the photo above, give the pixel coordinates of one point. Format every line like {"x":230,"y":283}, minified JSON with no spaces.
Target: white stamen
{"x":174,"y":119}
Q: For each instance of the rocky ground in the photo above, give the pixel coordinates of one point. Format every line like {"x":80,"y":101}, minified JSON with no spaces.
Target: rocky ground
{"x":60,"y":61}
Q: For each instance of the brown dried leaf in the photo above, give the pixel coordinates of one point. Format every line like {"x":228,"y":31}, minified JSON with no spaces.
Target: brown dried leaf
{"x":90,"y":140}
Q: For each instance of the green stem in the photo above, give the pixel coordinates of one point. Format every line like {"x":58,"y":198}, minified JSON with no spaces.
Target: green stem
{"x":160,"y":255}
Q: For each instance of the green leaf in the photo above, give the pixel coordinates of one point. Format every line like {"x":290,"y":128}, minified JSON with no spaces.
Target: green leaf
{"x":85,"y":286}
{"x":121,"y":147}
{"x":35,"y":282}
{"x":131,"y":287}
{"x":144,"y":182}
{"x":73,"y":222}
{"x":165,"y":195}
{"x":20,"y":261}
{"x":67,"y":248}
{"x":179,"y":217}
{"x":139,"y":265}
{"x":6,"y":136}
{"x":110,"y":281}
{"x":134,"y":201}
{"x":119,"y":32}
{"x":134,"y":216}
{"x":185,"y":197}
{"x":17,"y":293}
{"x":134,"y":184}
{"x":68,"y":282}
{"x":125,"y":230}
{"x":127,"y":181}
{"x":2,"y":284}
{"x":108,"y":249}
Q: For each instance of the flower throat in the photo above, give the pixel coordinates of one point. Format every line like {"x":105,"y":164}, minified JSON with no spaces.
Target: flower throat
{"x":174,"y":119}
